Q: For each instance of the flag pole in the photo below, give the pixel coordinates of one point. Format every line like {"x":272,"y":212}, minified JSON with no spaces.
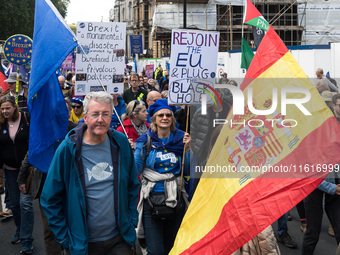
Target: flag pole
{"x":243,"y":17}
{"x":183,"y":158}
{"x":94,"y":70}
{"x":231,"y":31}
{"x":17,"y":85}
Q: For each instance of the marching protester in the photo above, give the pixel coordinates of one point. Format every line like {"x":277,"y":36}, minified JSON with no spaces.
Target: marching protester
{"x":14,"y":135}
{"x":22,"y":93}
{"x":320,"y":75}
{"x":77,"y":111}
{"x":134,"y":121}
{"x":134,"y":92}
{"x":326,"y":196}
{"x":35,"y":179}
{"x":159,"y":164}
{"x":120,"y":108}
{"x":93,"y":176}
{"x":62,"y":83}
{"x":152,"y":85}
{"x":164,"y":82}
{"x":153,"y":96}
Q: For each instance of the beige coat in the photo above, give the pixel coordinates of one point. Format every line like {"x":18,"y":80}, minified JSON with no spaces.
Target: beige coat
{"x":262,"y":244}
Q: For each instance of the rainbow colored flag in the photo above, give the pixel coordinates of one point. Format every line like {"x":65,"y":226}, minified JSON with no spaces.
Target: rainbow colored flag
{"x":230,"y":208}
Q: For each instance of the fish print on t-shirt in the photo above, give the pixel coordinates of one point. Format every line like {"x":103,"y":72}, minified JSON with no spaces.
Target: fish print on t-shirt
{"x":98,"y":171}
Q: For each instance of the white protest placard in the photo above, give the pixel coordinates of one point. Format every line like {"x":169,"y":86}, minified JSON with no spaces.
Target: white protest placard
{"x":104,"y":44}
{"x":193,"y":66}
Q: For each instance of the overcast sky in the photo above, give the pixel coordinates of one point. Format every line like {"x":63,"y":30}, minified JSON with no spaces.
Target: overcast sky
{"x":80,"y":10}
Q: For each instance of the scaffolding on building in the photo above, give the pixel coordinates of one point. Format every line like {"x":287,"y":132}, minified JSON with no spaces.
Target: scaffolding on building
{"x":282,"y":15}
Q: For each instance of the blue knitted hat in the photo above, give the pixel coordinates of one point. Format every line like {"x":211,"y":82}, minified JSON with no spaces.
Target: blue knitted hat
{"x":159,"y":105}
{"x":77,"y":100}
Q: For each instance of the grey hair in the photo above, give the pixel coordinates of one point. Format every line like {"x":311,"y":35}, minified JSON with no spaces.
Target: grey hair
{"x":319,"y":70}
{"x":130,"y":110}
{"x":100,"y":96}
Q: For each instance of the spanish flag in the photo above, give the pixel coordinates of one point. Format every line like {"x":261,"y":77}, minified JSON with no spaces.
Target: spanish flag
{"x":230,"y":208}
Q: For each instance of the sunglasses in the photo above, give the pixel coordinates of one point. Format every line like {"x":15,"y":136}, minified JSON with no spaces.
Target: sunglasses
{"x":134,"y":106}
{"x":161,"y":115}
{"x":76,"y":106}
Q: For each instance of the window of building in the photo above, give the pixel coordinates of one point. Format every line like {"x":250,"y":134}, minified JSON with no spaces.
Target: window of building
{"x":146,"y":40}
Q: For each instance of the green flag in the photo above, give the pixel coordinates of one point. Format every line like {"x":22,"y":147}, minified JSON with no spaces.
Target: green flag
{"x":247,"y":54}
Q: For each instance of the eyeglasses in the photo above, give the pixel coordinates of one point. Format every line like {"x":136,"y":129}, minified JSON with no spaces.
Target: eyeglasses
{"x":161,"y":115}
{"x":76,"y":106}
{"x":105,"y":115}
{"x":337,"y":105}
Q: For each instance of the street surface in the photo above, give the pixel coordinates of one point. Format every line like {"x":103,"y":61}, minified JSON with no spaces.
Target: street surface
{"x":326,"y":245}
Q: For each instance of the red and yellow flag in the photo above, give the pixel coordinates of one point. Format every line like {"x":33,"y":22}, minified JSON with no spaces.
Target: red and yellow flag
{"x":3,"y":77}
{"x":229,"y":209}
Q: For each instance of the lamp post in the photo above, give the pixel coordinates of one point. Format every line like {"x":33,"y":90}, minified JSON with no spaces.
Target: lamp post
{"x":118,"y":10}
{"x":184,"y":13}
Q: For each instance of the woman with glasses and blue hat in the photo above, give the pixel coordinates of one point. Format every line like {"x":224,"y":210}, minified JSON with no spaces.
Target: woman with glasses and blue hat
{"x":77,"y":109}
{"x":134,"y":120}
{"x":158,"y":157}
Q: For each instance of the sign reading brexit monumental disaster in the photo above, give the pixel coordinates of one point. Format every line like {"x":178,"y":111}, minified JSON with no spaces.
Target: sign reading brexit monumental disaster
{"x":104,"y":45}
{"x":193,"y":66}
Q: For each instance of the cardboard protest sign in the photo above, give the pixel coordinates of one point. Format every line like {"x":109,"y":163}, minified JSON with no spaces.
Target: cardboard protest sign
{"x":193,"y":66}
{"x":67,"y":64}
{"x":149,"y":71}
{"x":104,"y":44}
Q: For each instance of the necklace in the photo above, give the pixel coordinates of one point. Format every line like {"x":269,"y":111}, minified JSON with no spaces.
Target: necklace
{"x":11,"y":126}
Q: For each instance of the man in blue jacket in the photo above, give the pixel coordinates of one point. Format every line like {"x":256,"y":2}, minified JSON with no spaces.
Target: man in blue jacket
{"x":91,"y":191}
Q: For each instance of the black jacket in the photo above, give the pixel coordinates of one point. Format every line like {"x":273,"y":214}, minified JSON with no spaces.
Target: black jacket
{"x":13,"y":152}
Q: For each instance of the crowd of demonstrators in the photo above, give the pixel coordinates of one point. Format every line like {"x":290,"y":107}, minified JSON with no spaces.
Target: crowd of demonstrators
{"x":94,"y":156}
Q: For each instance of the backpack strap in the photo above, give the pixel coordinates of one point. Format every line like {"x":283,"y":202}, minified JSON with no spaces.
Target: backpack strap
{"x":147,"y":146}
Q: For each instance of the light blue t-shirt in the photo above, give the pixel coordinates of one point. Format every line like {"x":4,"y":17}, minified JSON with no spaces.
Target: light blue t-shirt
{"x":98,"y":170}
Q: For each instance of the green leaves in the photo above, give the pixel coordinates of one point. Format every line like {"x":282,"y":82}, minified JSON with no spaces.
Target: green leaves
{"x":17,"y":16}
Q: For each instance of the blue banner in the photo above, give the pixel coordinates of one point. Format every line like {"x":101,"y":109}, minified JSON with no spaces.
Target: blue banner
{"x":136,"y":44}
{"x":18,"y":49}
